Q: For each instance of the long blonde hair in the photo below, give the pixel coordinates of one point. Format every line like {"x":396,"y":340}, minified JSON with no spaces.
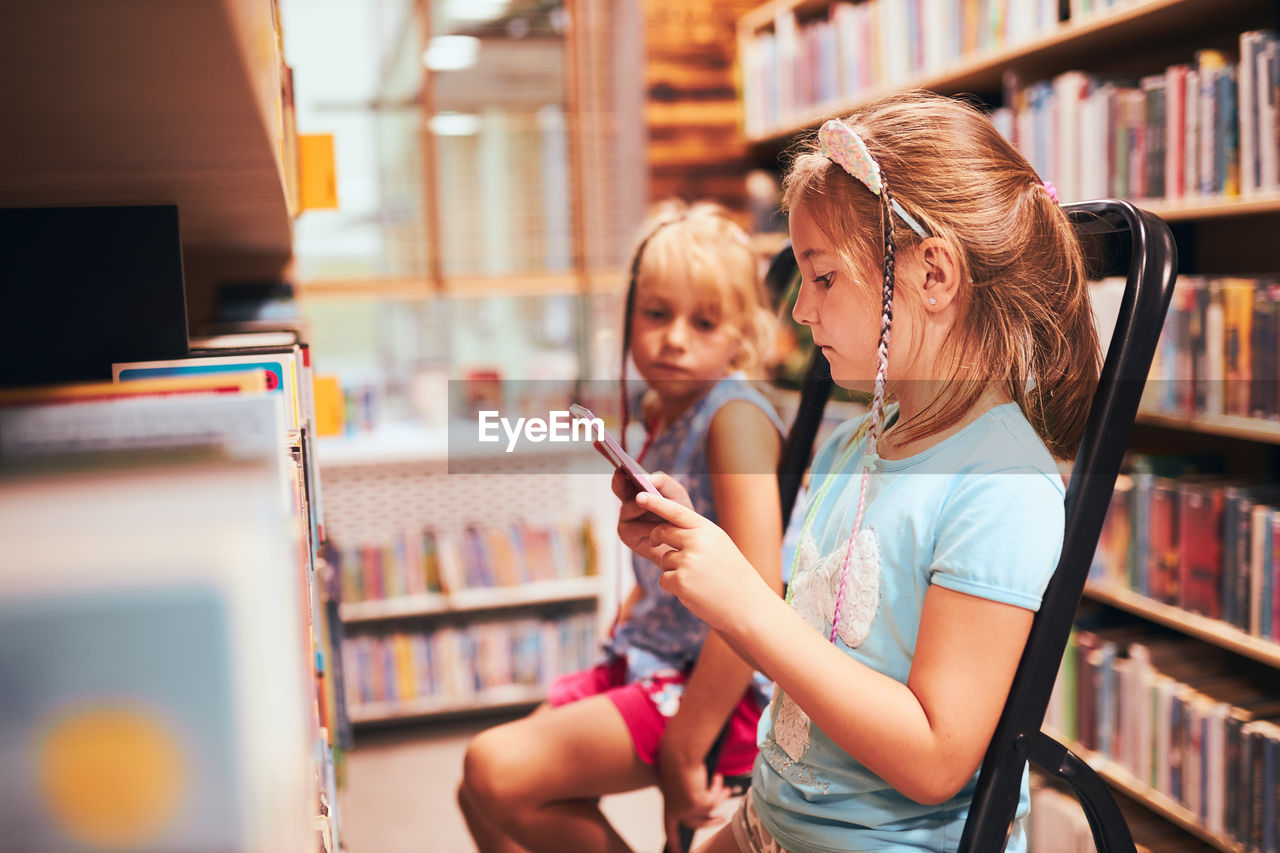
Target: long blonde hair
{"x":1024,"y":301}
{"x":702,"y":244}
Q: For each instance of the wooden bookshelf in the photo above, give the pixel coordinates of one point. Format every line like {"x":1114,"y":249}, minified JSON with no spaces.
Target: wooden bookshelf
{"x":1190,"y":210}
{"x":459,"y":286}
{"x":1246,"y":429}
{"x":1071,"y":44}
{"x":145,"y":102}
{"x":1218,"y":235}
{"x":1213,"y":631}
{"x":468,"y":600}
{"x":1120,"y":778}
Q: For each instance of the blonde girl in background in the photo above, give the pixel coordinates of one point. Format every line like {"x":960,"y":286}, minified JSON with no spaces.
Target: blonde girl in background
{"x":696,"y":322}
{"x":939,"y":274}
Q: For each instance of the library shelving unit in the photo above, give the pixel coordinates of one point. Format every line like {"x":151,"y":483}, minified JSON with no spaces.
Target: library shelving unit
{"x":139,"y":104}
{"x":471,"y":638}
{"x":802,"y":61}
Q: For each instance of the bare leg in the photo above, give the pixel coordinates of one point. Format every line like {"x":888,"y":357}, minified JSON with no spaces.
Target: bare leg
{"x":534,"y":784}
{"x":487,"y":835}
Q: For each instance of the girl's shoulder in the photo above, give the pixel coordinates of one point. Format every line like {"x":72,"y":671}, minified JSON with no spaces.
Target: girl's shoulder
{"x":1009,"y":443}
{"x":737,"y":389}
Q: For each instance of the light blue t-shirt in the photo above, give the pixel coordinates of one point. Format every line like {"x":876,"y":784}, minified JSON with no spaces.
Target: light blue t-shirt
{"x":981,"y":512}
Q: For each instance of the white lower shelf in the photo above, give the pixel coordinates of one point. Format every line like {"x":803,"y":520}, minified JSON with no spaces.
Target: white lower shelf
{"x":510,"y":696}
{"x":393,"y":443}
{"x":1215,"y":631}
{"x":489,"y":598}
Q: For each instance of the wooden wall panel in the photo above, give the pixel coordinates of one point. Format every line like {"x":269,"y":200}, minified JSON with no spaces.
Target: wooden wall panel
{"x":695,"y":143}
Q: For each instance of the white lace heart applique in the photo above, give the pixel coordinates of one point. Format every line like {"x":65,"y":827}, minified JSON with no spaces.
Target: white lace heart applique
{"x":817,"y":580}
{"x":813,"y":595}
{"x":791,"y":728}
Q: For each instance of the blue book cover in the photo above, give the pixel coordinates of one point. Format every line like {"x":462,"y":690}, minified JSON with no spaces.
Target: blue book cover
{"x":1140,"y":540}
{"x":1106,"y":697}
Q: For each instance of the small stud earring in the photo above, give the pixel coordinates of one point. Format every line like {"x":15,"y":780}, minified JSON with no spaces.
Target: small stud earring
{"x":933,"y":300}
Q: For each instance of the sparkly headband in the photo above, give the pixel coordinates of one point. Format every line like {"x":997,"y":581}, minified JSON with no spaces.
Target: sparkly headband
{"x":842,"y":146}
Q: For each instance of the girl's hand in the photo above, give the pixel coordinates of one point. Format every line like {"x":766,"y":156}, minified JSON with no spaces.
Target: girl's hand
{"x":635,"y":523}
{"x":687,"y":798}
{"x":702,"y":567}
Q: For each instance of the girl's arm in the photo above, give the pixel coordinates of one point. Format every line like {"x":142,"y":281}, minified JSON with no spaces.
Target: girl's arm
{"x":926,"y":737}
{"x":742,"y":452}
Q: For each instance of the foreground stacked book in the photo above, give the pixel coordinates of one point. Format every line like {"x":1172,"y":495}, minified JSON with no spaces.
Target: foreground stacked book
{"x":160,"y":613}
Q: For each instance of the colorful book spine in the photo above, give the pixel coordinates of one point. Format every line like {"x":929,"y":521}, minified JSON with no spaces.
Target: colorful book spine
{"x":1200,"y":511}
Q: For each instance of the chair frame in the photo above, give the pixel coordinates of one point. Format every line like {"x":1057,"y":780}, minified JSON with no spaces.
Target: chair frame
{"x":1151,"y":271}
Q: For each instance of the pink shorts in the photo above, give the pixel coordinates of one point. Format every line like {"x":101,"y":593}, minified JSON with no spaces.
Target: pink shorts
{"x":643,"y":703}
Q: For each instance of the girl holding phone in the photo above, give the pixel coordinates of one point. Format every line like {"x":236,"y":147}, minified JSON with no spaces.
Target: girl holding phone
{"x":649,"y":713}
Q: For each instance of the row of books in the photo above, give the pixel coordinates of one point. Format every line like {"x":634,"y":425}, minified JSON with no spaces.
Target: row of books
{"x":1206,"y":127}
{"x":1219,"y":351}
{"x":858,"y":47}
{"x":456,"y":664}
{"x":1201,"y":542}
{"x":476,"y":557}
{"x":1172,"y":713}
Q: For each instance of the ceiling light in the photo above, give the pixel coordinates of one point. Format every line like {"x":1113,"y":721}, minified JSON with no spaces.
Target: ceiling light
{"x":475,"y":10}
{"x":454,"y":124}
{"x":451,"y":53}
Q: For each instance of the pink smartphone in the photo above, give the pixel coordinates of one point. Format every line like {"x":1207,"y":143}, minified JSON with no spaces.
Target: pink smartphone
{"x":611,"y":450}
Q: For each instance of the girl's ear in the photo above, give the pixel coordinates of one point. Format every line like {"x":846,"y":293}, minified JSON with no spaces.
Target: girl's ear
{"x":940,"y":264}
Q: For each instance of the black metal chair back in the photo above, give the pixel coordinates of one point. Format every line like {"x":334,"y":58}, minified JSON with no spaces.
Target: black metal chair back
{"x":1119,"y":239}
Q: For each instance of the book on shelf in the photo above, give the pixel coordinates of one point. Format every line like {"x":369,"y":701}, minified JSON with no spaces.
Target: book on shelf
{"x":1261,"y":568}
{"x":1238,"y":556}
{"x":1199,"y":545}
{"x":287,"y":373}
{"x":1264,"y":337}
{"x":1163,"y":517}
{"x":280,"y":366}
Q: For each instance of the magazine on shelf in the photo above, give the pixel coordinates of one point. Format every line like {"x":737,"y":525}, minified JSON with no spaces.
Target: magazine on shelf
{"x":247,"y":382}
{"x":281,"y":368}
